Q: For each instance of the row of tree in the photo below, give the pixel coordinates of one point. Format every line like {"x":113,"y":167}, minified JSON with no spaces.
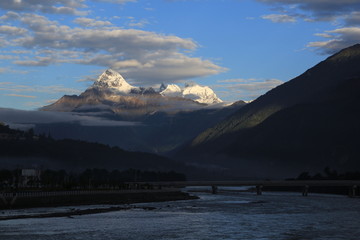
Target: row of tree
{"x":88,"y":179}
{"x":329,"y":174}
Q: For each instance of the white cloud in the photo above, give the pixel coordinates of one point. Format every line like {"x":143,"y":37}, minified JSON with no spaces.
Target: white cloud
{"x":90,"y":78}
{"x":140,"y":23}
{"x":339,"y":38}
{"x":46,"y":33}
{"x":8,"y":57}
{"x":10,"y":70}
{"x":20,"y":51}
{"x":279,"y":18}
{"x":19,"y":95}
{"x":16,"y":117}
{"x":143,"y":56}
{"x":353,"y":19}
{"x":174,"y":68}
{"x":88,"y":22}
{"x":245,"y":89}
{"x":45,"y":6}
{"x":345,"y":14}
{"x":40,"y":61}
{"x":238,"y":80}
{"x":324,"y":35}
{"x":9,"y":16}
{"x":12,"y":31}
{"x":316,"y":9}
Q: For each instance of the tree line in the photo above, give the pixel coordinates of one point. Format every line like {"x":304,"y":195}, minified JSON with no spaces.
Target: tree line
{"x":329,"y":174}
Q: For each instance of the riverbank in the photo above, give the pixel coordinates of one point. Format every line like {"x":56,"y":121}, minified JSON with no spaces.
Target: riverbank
{"x":73,"y":198}
{"x":338,"y":190}
{"x":73,"y":212}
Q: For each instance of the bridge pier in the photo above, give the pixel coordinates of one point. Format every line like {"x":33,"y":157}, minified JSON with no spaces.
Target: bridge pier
{"x":259,"y":189}
{"x":214,"y":189}
{"x":13,"y":200}
{"x":352,"y":191}
{"x":3,"y":199}
{"x":305,"y":190}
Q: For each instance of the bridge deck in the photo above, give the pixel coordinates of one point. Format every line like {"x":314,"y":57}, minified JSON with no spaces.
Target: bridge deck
{"x":330,"y":183}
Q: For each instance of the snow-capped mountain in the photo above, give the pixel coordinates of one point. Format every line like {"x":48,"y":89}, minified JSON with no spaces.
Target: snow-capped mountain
{"x":195,"y":92}
{"x":200,"y":94}
{"x":111,"y":91}
{"x":171,"y":90}
{"x":112,"y":80}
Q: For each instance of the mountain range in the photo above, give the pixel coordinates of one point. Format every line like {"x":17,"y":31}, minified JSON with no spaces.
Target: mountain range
{"x":305,"y":124}
{"x":166,"y":118}
{"x":111,"y":92}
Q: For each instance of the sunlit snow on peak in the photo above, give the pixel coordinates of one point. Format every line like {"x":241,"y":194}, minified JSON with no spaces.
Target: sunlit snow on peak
{"x":113,"y":80}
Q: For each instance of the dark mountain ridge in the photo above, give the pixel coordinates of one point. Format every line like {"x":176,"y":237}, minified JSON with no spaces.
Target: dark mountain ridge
{"x":307,"y":123}
{"x":20,"y":149}
{"x":311,"y":86}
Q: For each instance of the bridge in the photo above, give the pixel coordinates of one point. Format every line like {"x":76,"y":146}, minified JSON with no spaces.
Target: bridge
{"x":351,"y":185}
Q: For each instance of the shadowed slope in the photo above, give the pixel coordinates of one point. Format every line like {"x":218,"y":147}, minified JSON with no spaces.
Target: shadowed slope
{"x":311,"y":86}
{"x":307,"y":123}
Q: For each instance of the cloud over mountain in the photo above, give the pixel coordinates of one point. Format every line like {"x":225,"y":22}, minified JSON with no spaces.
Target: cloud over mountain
{"x":27,"y":119}
{"x":345,"y":14}
{"x":248,"y":89}
{"x":337,"y":39}
{"x":142,"y":56}
{"x":316,"y":9}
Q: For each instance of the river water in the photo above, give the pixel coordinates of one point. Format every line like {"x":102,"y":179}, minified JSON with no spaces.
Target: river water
{"x":227,"y":215}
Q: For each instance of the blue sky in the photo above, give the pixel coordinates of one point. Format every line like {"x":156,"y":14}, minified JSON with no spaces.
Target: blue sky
{"x":240,"y":48}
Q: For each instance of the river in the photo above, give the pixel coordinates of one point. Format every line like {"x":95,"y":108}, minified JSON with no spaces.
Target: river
{"x":227,"y":215}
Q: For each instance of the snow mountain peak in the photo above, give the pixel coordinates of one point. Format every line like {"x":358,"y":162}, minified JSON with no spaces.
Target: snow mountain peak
{"x":200,"y":94}
{"x":112,"y":80}
{"x":193,"y":91}
{"x":171,"y":90}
